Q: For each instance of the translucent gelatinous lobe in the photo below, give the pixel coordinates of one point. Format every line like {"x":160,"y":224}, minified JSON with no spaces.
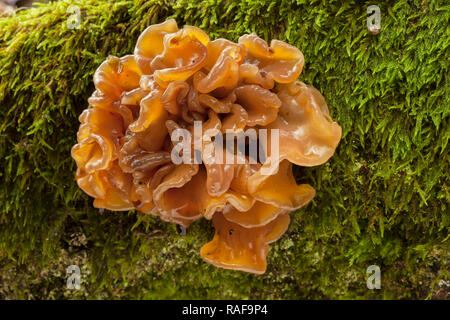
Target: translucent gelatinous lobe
{"x":178,"y":76}
{"x":287,"y":194}
{"x":239,"y":248}
{"x":308,"y":135}
{"x":261,"y":104}
{"x":98,"y":139}
{"x":281,"y":62}
{"x":224,"y":72}
{"x":184,"y":53}
{"x":151,"y":43}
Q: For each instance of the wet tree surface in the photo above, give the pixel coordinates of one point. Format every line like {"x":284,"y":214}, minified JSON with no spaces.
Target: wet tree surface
{"x":382,"y":199}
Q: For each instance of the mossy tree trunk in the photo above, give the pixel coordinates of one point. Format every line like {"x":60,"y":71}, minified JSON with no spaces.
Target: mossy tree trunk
{"x":381,"y":200}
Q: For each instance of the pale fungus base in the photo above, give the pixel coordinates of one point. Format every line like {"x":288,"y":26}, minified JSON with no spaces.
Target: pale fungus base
{"x":176,"y":77}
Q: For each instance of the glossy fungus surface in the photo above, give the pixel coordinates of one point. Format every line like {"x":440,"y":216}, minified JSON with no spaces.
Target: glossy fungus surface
{"x":174,"y":78}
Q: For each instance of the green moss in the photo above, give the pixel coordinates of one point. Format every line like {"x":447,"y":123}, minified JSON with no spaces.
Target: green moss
{"x":382,"y":199}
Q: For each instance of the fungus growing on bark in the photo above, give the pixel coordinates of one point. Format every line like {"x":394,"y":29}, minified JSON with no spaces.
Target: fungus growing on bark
{"x":175,"y":78}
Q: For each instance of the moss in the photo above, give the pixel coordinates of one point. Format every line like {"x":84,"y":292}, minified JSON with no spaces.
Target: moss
{"x":382,"y":199}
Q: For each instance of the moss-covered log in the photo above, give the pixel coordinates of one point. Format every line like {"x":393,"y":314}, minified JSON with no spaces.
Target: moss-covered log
{"x":381,"y":200}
